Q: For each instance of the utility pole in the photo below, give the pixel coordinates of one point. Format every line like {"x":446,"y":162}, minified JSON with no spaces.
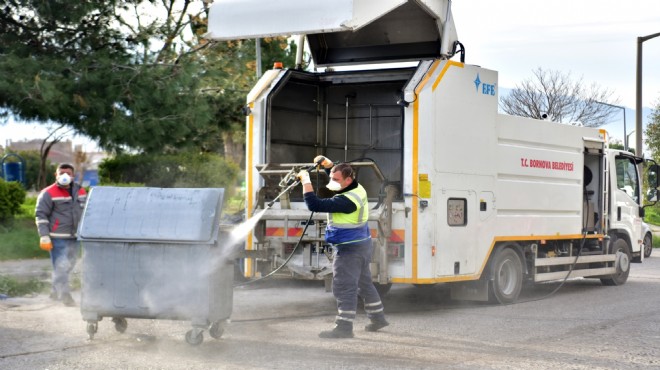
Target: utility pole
{"x":638,"y":102}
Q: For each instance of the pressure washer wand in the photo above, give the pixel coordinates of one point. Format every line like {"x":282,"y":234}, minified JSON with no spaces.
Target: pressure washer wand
{"x":293,"y":184}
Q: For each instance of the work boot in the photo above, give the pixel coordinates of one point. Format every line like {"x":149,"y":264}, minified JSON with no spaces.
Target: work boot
{"x":376,"y":324}
{"x":68,"y":300}
{"x":342,"y":329}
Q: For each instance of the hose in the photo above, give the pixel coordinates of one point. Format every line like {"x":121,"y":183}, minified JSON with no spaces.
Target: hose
{"x":286,"y":261}
{"x":302,"y":235}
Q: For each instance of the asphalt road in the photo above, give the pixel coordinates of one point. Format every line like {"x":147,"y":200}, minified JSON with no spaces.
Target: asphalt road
{"x":275,"y":324}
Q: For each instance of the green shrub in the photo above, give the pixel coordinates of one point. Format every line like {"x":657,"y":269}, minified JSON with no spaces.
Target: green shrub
{"x":652,"y":215}
{"x":12,"y":195}
{"x":182,"y":170}
{"x":17,"y":288}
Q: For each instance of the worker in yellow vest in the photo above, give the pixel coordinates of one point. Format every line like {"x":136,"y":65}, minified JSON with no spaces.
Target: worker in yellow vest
{"x":349,"y":234}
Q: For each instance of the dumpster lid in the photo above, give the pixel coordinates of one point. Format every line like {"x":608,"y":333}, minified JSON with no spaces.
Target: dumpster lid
{"x":151,"y":214}
{"x":342,"y":31}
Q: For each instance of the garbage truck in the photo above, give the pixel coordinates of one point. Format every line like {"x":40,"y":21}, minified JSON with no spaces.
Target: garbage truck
{"x":458,"y":192}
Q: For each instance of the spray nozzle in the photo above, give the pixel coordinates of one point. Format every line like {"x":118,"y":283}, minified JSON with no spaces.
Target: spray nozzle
{"x":290,"y":177}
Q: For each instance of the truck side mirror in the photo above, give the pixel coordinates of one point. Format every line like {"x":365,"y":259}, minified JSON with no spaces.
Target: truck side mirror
{"x":652,"y":175}
{"x":652,"y":171}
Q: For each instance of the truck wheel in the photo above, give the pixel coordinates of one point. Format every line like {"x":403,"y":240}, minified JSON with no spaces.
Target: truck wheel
{"x":648,"y":245}
{"x":622,"y":263}
{"x":507,"y":277}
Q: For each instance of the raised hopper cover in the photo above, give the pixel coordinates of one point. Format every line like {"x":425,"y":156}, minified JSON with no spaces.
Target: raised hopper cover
{"x":343,"y":31}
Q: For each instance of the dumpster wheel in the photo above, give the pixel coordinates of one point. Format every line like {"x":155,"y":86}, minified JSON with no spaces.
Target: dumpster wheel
{"x":92,"y":328}
{"x":194,"y":336}
{"x":120,"y":324}
{"x":217,"y":329}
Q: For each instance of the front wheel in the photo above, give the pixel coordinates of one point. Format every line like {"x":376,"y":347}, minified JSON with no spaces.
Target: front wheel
{"x":648,"y":245}
{"x":622,"y":264}
{"x":507,"y":277}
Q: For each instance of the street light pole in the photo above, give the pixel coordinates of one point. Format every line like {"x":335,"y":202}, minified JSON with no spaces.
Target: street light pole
{"x":638,"y":103}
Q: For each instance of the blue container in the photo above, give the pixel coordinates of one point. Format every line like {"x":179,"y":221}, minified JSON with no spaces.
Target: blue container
{"x":13,"y":171}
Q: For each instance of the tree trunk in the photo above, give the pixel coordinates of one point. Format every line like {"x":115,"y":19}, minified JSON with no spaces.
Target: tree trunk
{"x":233,"y":151}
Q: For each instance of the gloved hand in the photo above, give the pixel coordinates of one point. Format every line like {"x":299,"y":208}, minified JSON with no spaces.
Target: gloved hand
{"x":45,"y":243}
{"x":304,"y":177}
{"x":325,"y":162}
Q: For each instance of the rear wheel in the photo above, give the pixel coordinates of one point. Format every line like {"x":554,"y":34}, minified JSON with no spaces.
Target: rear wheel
{"x":622,"y":264}
{"x":507,"y":277}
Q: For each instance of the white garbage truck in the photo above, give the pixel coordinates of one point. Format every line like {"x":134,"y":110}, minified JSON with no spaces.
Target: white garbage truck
{"x":458,"y":193}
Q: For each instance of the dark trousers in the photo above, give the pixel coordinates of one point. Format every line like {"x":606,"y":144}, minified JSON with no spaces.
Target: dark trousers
{"x":352,"y":279}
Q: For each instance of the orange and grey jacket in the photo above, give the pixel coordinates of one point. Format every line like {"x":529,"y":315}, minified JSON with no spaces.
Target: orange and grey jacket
{"x":58,"y":211}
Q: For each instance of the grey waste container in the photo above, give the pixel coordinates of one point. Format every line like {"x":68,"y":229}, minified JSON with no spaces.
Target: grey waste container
{"x":155,"y":253}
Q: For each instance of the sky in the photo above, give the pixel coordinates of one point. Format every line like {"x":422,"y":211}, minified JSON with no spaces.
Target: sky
{"x":595,"y":40}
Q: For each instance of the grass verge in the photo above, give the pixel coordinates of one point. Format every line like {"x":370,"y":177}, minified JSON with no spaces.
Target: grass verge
{"x":17,"y":288}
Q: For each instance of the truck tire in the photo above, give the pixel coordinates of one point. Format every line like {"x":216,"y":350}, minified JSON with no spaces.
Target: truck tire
{"x":507,"y":277}
{"x":621,"y":248}
{"x":648,"y":245}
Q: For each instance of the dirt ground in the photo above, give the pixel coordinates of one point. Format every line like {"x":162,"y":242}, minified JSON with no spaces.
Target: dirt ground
{"x":275,"y":325}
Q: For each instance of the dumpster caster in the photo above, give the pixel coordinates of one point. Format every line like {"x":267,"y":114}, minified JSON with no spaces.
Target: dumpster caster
{"x":194,"y":336}
{"x":216,"y":329}
{"x":92,"y":327}
{"x":120,"y":324}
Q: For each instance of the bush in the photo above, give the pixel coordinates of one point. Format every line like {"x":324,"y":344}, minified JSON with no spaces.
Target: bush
{"x":12,"y":196}
{"x":184,"y":170}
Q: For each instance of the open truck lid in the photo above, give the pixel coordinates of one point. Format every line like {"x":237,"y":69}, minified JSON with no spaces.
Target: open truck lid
{"x":343,"y":31}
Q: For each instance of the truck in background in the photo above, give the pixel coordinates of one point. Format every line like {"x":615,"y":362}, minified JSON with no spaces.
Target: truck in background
{"x":458,"y":193}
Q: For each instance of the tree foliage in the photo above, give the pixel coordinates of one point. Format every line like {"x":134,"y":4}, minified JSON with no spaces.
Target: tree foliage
{"x":130,"y":74}
{"x":652,"y":132}
{"x":181,"y":170}
{"x":561,"y":98}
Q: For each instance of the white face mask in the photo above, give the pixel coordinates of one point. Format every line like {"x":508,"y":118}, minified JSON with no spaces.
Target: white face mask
{"x":333,"y":185}
{"x":63,"y":179}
